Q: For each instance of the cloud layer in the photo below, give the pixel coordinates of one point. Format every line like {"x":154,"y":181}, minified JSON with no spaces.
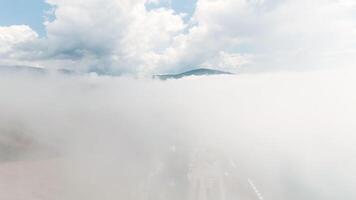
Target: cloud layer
{"x":239,"y":35}
{"x":92,"y":137}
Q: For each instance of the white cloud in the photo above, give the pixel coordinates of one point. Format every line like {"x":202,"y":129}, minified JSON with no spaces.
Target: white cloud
{"x":12,"y":37}
{"x":125,"y":36}
{"x":111,"y":138}
{"x":281,"y":34}
{"x":228,"y":61}
{"x":120,"y":36}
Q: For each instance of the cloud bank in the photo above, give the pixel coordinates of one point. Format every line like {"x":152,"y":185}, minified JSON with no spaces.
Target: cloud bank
{"x":145,"y":37}
{"x":93,"y":137}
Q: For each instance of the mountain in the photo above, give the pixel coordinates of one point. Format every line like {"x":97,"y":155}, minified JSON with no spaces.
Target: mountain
{"x":194,"y":72}
{"x":23,"y":69}
{"x":31,"y":70}
{"x":42,"y":71}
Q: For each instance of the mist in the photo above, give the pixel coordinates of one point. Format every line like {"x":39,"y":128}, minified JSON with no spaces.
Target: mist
{"x":249,"y":136}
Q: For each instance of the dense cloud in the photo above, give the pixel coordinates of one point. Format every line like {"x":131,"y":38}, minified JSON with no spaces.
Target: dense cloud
{"x":148,"y":37}
{"x":92,"y":137}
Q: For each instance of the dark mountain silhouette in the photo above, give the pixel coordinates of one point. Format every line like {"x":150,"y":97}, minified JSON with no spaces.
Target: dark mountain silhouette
{"x":194,"y":72}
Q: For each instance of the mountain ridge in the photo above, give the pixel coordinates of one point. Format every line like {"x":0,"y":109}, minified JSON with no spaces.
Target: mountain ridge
{"x":194,"y":72}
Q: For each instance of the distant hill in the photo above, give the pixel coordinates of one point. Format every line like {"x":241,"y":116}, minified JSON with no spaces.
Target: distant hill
{"x":195,"y":72}
{"x":32,"y":70}
{"x":21,"y":68}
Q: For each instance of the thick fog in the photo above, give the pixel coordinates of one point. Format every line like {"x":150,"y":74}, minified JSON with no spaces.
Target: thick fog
{"x":280,"y":136}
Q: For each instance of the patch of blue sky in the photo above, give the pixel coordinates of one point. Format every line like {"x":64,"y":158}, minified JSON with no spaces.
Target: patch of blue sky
{"x":184,"y":6}
{"x":24,"y":12}
{"x":179,"y":6}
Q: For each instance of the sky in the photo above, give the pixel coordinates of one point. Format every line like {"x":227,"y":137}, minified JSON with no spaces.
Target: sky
{"x":145,"y":37}
{"x":26,"y":12}
{"x":32,"y":12}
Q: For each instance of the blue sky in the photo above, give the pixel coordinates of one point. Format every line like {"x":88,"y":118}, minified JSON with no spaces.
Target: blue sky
{"x":28,"y":12}
{"x":186,"y":6}
{"x":31,"y":12}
